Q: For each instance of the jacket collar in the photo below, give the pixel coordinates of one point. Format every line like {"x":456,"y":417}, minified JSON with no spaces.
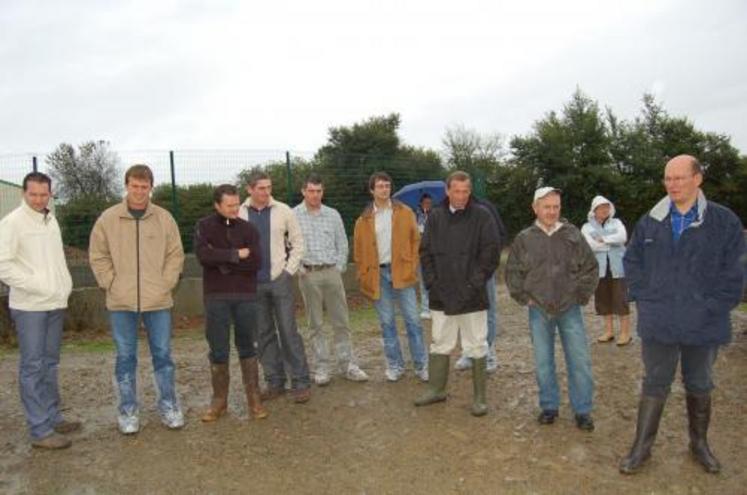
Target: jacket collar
{"x":124,"y":211}
{"x":248,"y":202}
{"x":368,"y":211}
{"x":661,"y":210}
{"x":41,"y":218}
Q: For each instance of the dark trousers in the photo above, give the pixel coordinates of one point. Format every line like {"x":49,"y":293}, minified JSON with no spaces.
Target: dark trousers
{"x":278,"y":339}
{"x":660,"y":362}
{"x":221,"y":313}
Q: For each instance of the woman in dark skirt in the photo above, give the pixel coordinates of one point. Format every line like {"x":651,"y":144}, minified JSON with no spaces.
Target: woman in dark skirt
{"x":607,"y":236}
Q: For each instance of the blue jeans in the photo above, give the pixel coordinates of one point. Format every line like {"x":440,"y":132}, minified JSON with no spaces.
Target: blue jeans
{"x":39,"y":339}
{"x":220,"y":314}
{"x":408,"y":305}
{"x":423,"y":293}
{"x":570,"y":326}
{"x":660,"y":363}
{"x":124,"y":331}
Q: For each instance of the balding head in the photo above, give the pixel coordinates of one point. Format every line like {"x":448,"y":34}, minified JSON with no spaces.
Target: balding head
{"x":683,"y":176}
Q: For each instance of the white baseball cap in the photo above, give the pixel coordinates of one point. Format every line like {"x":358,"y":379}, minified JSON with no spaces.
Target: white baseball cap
{"x":544,"y":191}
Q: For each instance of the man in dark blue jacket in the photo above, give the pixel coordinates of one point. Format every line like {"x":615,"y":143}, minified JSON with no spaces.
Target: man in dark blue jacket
{"x":683,"y":266}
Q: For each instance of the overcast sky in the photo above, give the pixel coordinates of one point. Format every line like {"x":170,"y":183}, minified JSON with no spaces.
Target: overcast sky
{"x":276,"y":74}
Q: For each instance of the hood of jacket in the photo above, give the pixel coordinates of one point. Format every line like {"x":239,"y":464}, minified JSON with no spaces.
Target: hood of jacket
{"x":598,"y":201}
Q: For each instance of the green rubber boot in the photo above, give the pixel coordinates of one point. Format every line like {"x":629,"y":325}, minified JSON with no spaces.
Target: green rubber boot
{"x":438,"y":374}
{"x":479,"y":375}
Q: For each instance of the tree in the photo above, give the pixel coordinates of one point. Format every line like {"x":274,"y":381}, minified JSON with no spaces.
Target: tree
{"x":195,"y":201}
{"x":477,"y":154}
{"x":571,"y":151}
{"x":353,"y":153}
{"x":92,"y":171}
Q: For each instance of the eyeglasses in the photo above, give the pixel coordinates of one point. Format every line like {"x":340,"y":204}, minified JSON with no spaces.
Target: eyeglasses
{"x":677,"y":180}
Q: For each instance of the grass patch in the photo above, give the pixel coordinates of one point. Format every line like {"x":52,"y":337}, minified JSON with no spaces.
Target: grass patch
{"x":92,"y":346}
{"x":742,"y":307}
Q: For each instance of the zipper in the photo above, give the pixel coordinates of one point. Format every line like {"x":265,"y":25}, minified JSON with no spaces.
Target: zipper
{"x":137,"y":260}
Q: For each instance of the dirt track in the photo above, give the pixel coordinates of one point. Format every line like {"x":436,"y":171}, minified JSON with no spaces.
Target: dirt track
{"x":368,"y":438}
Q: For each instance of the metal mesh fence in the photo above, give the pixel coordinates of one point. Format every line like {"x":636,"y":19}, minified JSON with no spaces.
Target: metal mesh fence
{"x":195,"y":173}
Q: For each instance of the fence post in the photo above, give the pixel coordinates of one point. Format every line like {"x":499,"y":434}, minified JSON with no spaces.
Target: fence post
{"x":34,"y":167}
{"x":290,"y":177}
{"x":174,"y":200}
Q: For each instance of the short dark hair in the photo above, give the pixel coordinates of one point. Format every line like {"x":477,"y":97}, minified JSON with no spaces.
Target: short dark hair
{"x":139,"y":171}
{"x":424,"y":197}
{"x":459,"y":176}
{"x":37,"y":177}
{"x":312,"y":179}
{"x":224,"y":190}
{"x":378,"y":177}
{"x":257,"y":176}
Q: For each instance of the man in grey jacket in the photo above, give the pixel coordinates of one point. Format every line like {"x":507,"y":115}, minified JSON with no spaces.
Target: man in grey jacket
{"x":552,"y":270}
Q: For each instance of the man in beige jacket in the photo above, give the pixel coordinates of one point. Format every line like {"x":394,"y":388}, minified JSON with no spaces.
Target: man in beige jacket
{"x":282,"y":247}
{"x":136,"y":256}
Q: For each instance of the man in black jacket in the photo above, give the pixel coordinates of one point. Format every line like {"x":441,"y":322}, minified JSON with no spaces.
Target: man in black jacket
{"x":228,"y":250}
{"x":458,"y":253}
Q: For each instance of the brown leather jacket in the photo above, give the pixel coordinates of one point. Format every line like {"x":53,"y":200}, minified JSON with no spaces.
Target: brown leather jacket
{"x":405,"y":242}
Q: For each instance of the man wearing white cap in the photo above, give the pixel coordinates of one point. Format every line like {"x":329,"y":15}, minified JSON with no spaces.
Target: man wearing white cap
{"x":552,"y":270}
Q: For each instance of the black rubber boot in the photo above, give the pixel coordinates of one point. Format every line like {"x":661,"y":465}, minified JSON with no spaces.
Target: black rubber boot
{"x":438,"y":375}
{"x":699,"y":416}
{"x":649,"y":415}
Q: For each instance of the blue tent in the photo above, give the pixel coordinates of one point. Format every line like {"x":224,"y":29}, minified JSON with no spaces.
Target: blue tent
{"x":411,"y":193}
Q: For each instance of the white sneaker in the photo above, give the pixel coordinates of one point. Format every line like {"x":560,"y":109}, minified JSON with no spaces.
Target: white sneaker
{"x":393,"y":375}
{"x":355,"y":374}
{"x":321,"y":378}
{"x":425,"y":315}
{"x":463,"y":363}
{"x":422,"y":374}
{"x":491,"y":364}
{"x":129,"y":424}
{"x":173,"y":419}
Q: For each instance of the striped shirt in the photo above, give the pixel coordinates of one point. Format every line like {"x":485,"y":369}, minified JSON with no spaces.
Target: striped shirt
{"x":324,"y":236}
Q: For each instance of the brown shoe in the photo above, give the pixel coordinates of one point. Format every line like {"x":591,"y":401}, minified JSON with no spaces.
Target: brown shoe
{"x":271,"y":393}
{"x":250,"y":374}
{"x":220,"y":379}
{"x":301,"y":395}
{"x":67,"y":426}
{"x":52,"y":442}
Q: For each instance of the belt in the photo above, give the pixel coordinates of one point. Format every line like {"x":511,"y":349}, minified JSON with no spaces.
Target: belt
{"x":314,"y":268}
{"x":385,"y":265}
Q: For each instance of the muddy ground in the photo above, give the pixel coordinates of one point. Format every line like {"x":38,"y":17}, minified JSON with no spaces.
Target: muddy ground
{"x":368,"y":438}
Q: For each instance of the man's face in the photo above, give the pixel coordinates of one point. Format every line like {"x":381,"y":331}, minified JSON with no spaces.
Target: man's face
{"x":547,"y":209}
{"x":382,"y":190}
{"x":37,"y":195}
{"x":680,"y":181}
{"x":138,"y":192}
{"x":260,"y":192}
{"x":228,"y":206}
{"x":426,"y":204}
{"x":458,"y":193}
{"x":312,"y":195}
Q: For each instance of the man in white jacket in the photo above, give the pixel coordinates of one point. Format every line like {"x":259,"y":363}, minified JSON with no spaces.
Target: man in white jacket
{"x":32,"y":264}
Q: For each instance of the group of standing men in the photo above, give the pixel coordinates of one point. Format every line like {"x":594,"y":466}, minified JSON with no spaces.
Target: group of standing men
{"x":683,"y":267}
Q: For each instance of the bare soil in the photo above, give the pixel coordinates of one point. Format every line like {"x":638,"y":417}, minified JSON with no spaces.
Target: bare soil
{"x":369,"y":438}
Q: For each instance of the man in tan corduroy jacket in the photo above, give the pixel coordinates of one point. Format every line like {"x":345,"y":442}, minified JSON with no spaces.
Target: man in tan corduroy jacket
{"x":386,"y":243}
{"x":136,"y":256}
